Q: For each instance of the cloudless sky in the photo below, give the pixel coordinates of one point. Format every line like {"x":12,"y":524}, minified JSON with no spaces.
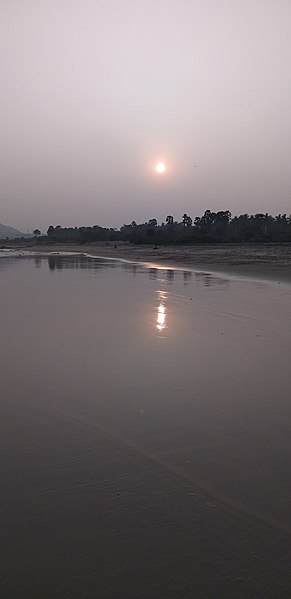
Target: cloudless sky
{"x":95,"y":92}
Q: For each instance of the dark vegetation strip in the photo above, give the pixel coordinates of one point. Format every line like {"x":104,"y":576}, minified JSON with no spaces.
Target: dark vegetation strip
{"x":212,"y":227}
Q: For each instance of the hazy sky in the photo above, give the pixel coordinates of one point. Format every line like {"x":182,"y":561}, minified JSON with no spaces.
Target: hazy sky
{"x":94,"y":92}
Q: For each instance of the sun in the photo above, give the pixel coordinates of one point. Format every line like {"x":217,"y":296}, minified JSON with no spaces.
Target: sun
{"x":160,"y":167}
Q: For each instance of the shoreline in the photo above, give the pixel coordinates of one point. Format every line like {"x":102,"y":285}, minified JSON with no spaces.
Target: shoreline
{"x":264,"y":261}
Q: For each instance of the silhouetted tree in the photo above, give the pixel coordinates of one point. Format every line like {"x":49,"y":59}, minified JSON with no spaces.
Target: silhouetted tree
{"x":153,"y":222}
{"x":186,"y":220}
{"x":50,"y":231}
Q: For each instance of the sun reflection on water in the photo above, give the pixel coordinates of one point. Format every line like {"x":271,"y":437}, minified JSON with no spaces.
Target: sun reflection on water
{"x":161,"y":312}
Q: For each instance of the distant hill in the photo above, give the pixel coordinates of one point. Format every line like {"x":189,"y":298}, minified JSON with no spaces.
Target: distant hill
{"x":10,"y":232}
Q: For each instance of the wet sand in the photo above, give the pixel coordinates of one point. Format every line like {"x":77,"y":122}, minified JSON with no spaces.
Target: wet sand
{"x":145,"y":432}
{"x":265,"y":261}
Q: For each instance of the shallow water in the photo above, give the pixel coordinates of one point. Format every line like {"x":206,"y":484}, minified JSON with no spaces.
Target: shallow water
{"x":145,"y":431}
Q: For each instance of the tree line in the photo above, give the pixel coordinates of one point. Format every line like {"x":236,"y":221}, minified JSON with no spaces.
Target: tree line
{"x":212,"y":227}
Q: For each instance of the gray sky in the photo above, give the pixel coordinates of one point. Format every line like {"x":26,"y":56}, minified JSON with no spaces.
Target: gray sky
{"x":94,"y":92}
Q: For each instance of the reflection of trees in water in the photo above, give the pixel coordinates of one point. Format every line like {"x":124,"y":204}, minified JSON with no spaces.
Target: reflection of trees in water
{"x":187,"y":275}
{"x":209,"y":280}
{"x":62,"y":262}
{"x":37,"y":261}
{"x":6,"y":261}
{"x":51,"y":263}
{"x":128,"y":266}
{"x":153,"y":273}
{"x":74,"y":263}
{"x":161,"y":274}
